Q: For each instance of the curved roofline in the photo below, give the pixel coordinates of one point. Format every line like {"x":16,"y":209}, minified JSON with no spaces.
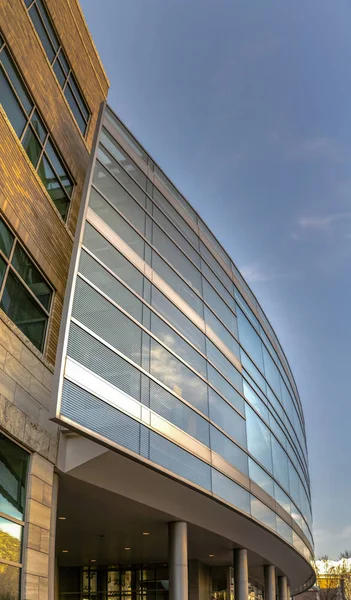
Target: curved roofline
{"x":290,"y":374}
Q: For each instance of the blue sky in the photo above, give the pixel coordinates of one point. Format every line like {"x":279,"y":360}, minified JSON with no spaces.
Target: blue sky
{"x":246,"y":106}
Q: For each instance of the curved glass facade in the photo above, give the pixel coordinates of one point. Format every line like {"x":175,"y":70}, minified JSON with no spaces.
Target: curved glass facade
{"x":169,"y":354}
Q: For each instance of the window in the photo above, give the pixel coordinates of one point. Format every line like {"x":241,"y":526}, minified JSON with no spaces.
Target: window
{"x":25,"y":296}
{"x":228,"y":419}
{"x":258,"y":439}
{"x":32,"y":132}
{"x":58,"y":60}
{"x":13,"y":479}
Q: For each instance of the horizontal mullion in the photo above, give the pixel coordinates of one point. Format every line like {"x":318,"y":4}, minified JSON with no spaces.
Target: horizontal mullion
{"x":11,"y":563}
{"x":141,"y":326}
{"x":281,"y":366}
{"x":168,"y":219}
{"x":217,"y":369}
{"x":196,"y":292}
{"x":13,"y":519}
{"x":231,"y":273}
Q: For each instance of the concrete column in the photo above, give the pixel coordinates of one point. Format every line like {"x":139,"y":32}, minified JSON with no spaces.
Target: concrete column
{"x":282,"y":588}
{"x":269,"y":582}
{"x":288,"y":592}
{"x":52,"y":541}
{"x":178,"y":560}
{"x":241,"y":574}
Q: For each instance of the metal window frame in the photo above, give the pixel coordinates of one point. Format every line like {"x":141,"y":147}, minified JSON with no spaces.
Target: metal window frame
{"x":196,"y":292}
{"x":280,"y":366}
{"x":182,"y":360}
{"x":11,"y":269}
{"x":47,"y":138}
{"x":57,"y":57}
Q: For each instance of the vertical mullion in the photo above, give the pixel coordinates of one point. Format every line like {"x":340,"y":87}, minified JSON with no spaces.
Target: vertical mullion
{"x":9,"y":259}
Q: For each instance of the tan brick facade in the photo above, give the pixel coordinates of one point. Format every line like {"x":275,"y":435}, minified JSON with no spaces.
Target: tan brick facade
{"x":25,"y":373}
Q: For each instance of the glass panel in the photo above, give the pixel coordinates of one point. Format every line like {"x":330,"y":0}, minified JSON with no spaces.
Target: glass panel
{"x":119,"y":197}
{"x":6,"y":239}
{"x":272,"y":373}
{"x":262,"y":513}
{"x":24,"y":311}
{"x":39,"y":126}
{"x":247,"y":310}
{"x":284,"y":530}
{"x":53,"y":187}
{"x":233,"y":493}
{"x":173,"y":409}
{"x":280,"y":464}
{"x":104,"y":319}
{"x":258,"y":439}
{"x":2,"y":269}
{"x":125,"y":133}
{"x":177,"y":237}
{"x":227,"y":418}
{"x":9,"y":582}
{"x":32,"y":146}
{"x":16,"y":80}
{"x":219,"y":307}
{"x":120,"y":155}
{"x":294,"y":484}
{"x":177,"y":319}
{"x":13,"y":477}
{"x":253,"y":371}
{"x":170,"y":371}
{"x":255,"y":401}
{"x":222,"y":291}
{"x":40,"y":29}
{"x":59,"y":73}
{"x":10,"y":540}
{"x":179,"y":346}
{"x":75,"y":109}
{"x":116,"y":222}
{"x":225,"y":388}
{"x":282,"y":498}
{"x":81,"y":102}
{"x":176,"y":258}
{"x":113,"y":259}
{"x":48,"y":25}
{"x":225,"y":366}
{"x":115,"y":168}
{"x":250,"y":340}
{"x":11,"y":106}
{"x":228,"y":450}
{"x":63,"y":61}
{"x":174,"y":217}
{"x":259,"y":476}
{"x":60,"y":169}
{"x":213,"y":323}
{"x":1,"y":41}
{"x":31,"y":276}
{"x":181,"y":462}
{"x":175,"y":282}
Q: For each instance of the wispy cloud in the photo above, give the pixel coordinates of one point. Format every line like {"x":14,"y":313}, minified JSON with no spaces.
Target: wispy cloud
{"x":255,"y":273}
{"x":317,"y":148}
{"x":322,"y":222}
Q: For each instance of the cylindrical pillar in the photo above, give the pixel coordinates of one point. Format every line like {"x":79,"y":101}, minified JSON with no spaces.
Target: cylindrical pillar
{"x":269,"y":582}
{"x":241,"y":574}
{"x":288,"y":592}
{"x":282,"y":588}
{"x":52,"y":540}
{"x":178,"y":560}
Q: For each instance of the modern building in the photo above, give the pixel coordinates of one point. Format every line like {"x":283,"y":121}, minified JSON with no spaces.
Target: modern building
{"x":167,"y":457}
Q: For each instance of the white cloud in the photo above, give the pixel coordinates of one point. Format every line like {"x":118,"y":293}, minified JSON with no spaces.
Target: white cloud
{"x":322,"y":223}
{"x":317,"y":148}
{"x":255,"y":273}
